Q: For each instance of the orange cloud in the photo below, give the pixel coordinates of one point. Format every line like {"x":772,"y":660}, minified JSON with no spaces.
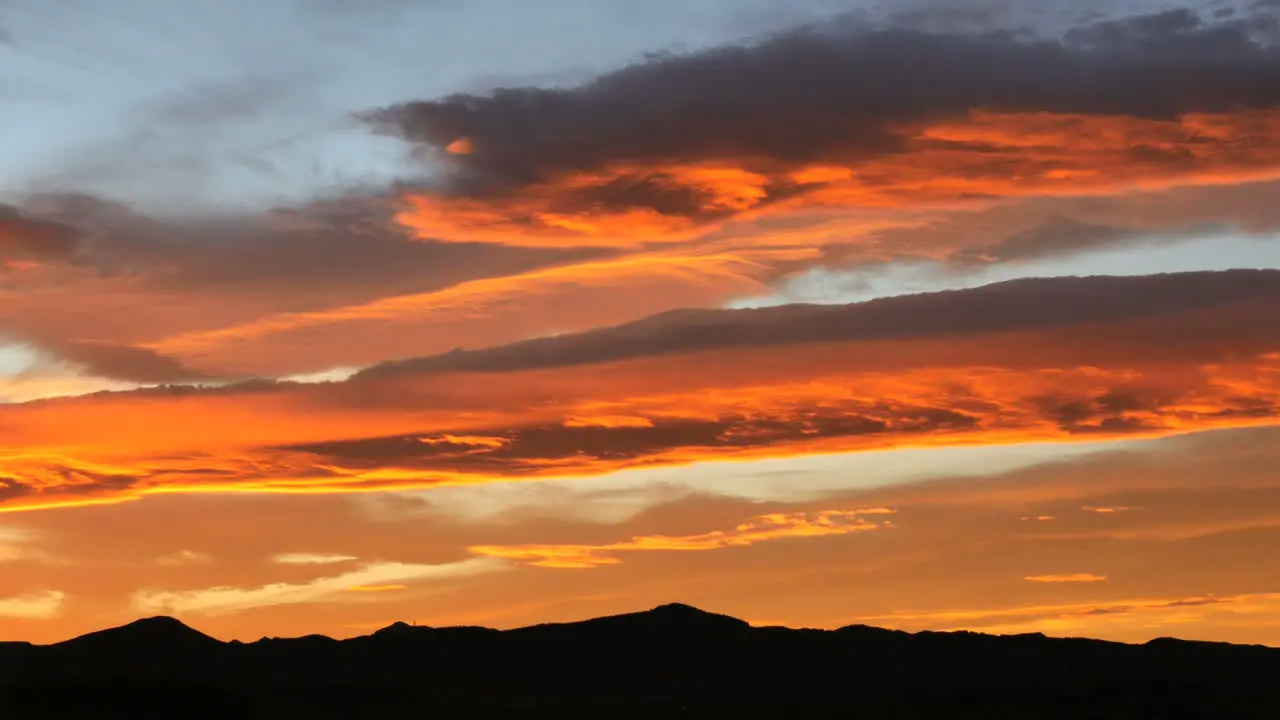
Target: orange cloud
{"x":461,"y":146}
{"x":1072,"y":578}
{"x":959,"y":532}
{"x":143,"y":446}
{"x":723,"y":273}
{"x":764,"y":528}
{"x":1133,"y":619}
{"x":968,"y":161}
{"x":680,"y":142}
{"x":694,"y":179}
{"x":374,"y":577}
{"x":609,"y":421}
{"x":687,"y":388}
{"x":33,"y":606}
{"x":311,"y":558}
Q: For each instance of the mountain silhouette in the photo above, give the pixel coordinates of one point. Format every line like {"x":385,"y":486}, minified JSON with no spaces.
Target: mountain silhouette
{"x":146,"y":636}
{"x":397,"y":628}
{"x":672,"y":661}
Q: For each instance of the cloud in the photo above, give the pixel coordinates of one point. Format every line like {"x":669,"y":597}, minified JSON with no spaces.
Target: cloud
{"x":12,"y":543}
{"x":1054,"y":236}
{"x":311,"y":558}
{"x":220,"y":600}
{"x":681,"y":141}
{"x":33,"y":606}
{"x":1072,"y":578}
{"x":123,"y":362}
{"x":779,"y":156}
{"x":803,"y":96}
{"x":355,"y":314}
{"x":764,"y":528}
{"x":959,"y":530}
{"x":1145,"y":615}
{"x":173,"y":277}
{"x":1035,"y":360}
{"x":185,"y":557}
{"x":377,"y":588}
{"x":305,"y":247}
{"x":467,"y":299}
{"x":1106,"y":510}
{"x":27,"y":240}
{"x":999,"y":308}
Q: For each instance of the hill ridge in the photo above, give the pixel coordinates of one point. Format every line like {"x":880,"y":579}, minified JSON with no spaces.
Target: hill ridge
{"x":656,"y":663}
{"x":164,"y":625}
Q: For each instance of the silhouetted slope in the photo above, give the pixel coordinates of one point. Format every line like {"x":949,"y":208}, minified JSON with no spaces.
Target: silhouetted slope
{"x":147,"y":636}
{"x":648,"y":664}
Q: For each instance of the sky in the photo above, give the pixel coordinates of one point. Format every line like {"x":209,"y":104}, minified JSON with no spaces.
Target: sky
{"x":316,"y":315}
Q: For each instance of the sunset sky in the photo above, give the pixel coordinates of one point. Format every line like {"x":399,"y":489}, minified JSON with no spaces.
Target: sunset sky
{"x":320,"y":315}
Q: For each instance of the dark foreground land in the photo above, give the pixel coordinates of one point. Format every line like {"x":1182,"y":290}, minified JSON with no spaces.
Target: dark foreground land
{"x":673,"y":661}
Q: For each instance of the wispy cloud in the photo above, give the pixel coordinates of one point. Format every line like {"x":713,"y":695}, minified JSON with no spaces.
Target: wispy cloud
{"x":221,"y":600}
{"x":312,"y":558}
{"x":186,"y":557}
{"x":377,"y":588}
{"x":1070,"y":578}
{"x":1134,"y":618}
{"x":13,"y":543}
{"x":764,"y":528}
{"x":33,"y":606}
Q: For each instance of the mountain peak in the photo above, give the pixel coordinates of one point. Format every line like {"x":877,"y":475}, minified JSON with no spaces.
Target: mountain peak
{"x":398,"y":628}
{"x":681,"y":610}
{"x":684,"y":616}
{"x":160,"y":623}
{"x":152,"y":633}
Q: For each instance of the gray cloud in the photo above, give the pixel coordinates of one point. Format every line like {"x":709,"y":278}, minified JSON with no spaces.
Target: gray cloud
{"x":24,"y":236}
{"x":341,"y":250}
{"x":1017,"y":305}
{"x":837,"y":92}
{"x":1054,"y":236}
{"x":124,"y":362}
{"x":571,"y":445}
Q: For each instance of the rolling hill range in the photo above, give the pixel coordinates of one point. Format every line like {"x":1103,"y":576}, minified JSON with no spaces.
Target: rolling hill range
{"x":671,"y":661}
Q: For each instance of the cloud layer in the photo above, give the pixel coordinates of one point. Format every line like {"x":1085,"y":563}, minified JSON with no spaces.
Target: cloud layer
{"x":1026,"y":361}
{"x":849,"y":114}
{"x":687,"y":179}
{"x":955,"y":557}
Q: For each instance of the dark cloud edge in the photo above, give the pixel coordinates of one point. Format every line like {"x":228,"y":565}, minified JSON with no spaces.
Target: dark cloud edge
{"x":1015,"y":305}
{"x":806,"y":95}
{"x":1027,"y":304}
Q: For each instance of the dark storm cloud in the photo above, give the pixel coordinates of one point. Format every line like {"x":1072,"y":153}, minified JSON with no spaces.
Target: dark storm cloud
{"x":839,"y":92}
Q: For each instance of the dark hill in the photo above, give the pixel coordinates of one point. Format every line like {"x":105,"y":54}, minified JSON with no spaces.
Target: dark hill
{"x":672,"y":661}
{"x":147,"y":636}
